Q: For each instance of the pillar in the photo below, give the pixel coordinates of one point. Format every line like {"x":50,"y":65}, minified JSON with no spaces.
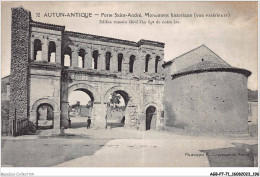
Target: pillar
{"x":58,"y":53}
{"x":101,"y":60}
{"x":99,"y":110}
{"x":151,"y":64}
{"x":114,"y":62}
{"x":137,"y":64}
{"x":64,"y":114}
{"x":88,"y":59}
{"x":32,"y":49}
{"x":160,"y":63}
{"x":74,"y":58}
{"x":141,"y":62}
{"x":45,"y":49}
{"x":56,"y":120}
{"x":125,"y":63}
{"x":128,"y":121}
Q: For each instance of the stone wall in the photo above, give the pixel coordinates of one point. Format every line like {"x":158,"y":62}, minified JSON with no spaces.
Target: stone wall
{"x":115,"y":115}
{"x":45,"y":85}
{"x":20,"y":51}
{"x":78,"y":47}
{"x":139,"y":92}
{"x":39,"y":80}
{"x":207,"y":102}
{"x":46,"y":36}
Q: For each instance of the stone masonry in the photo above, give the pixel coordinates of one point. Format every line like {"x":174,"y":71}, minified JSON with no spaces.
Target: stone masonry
{"x":197,"y":91}
{"x":19,"y":79}
{"x":49,"y":63}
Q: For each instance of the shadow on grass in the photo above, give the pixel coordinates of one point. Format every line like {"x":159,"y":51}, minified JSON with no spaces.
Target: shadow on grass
{"x":242,"y":155}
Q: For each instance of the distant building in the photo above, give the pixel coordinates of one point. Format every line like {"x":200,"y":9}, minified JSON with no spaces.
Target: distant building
{"x":253,"y":112}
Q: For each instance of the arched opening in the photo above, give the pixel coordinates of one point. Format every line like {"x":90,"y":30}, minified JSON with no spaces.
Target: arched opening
{"x":51,"y":52}
{"x":108,"y":56}
{"x":95,"y":55}
{"x":67,"y":61}
{"x":45,"y":116}
{"x":157,"y":59}
{"x":131,"y":63}
{"x":151,"y":118}
{"x":116,"y":108}
{"x":37,"y":51}
{"x":81,"y":58}
{"x":120,"y":59}
{"x":80,"y":107}
{"x":147,"y":58}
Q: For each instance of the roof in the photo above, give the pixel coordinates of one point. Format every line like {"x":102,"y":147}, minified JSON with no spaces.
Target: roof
{"x":114,"y":40}
{"x":47,"y":26}
{"x":205,"y":60}
{"x":204,"y":65}
{"x":202,"y":52}
{"x":208,"y":66}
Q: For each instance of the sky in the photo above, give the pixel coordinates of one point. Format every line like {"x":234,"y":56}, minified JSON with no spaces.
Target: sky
{"x":234,"y":38}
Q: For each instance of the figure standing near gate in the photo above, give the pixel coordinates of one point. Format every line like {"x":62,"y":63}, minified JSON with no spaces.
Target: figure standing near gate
{"x":88,"y":123}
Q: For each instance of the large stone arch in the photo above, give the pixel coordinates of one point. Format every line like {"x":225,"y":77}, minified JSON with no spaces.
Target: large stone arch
{"x":131,"y":106}
{"x":91,"y":91}
{"x":85,"y":87}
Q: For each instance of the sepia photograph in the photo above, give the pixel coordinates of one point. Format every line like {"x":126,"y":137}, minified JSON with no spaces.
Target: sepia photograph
{"x":129,"y":84}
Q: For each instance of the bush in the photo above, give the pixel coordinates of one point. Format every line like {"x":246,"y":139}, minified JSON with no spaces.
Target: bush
{"x":31,"y":129}
{"x":5,"y":110}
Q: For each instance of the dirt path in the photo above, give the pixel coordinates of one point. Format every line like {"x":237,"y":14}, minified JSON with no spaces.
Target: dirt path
{"x":122,"y":147}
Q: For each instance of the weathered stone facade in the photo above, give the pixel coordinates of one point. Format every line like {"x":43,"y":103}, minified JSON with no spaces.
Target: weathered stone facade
{"x":57,"y":62}
{"x":203,"y":93}
{"x":19,"y":78}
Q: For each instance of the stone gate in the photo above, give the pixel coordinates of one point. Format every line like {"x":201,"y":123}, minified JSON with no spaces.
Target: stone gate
{"x":49,"y":63}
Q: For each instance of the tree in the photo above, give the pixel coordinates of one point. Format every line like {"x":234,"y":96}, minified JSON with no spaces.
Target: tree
{"x":252,"y":95}
{"x":115,"y":99}
{"x":90,"y":104}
